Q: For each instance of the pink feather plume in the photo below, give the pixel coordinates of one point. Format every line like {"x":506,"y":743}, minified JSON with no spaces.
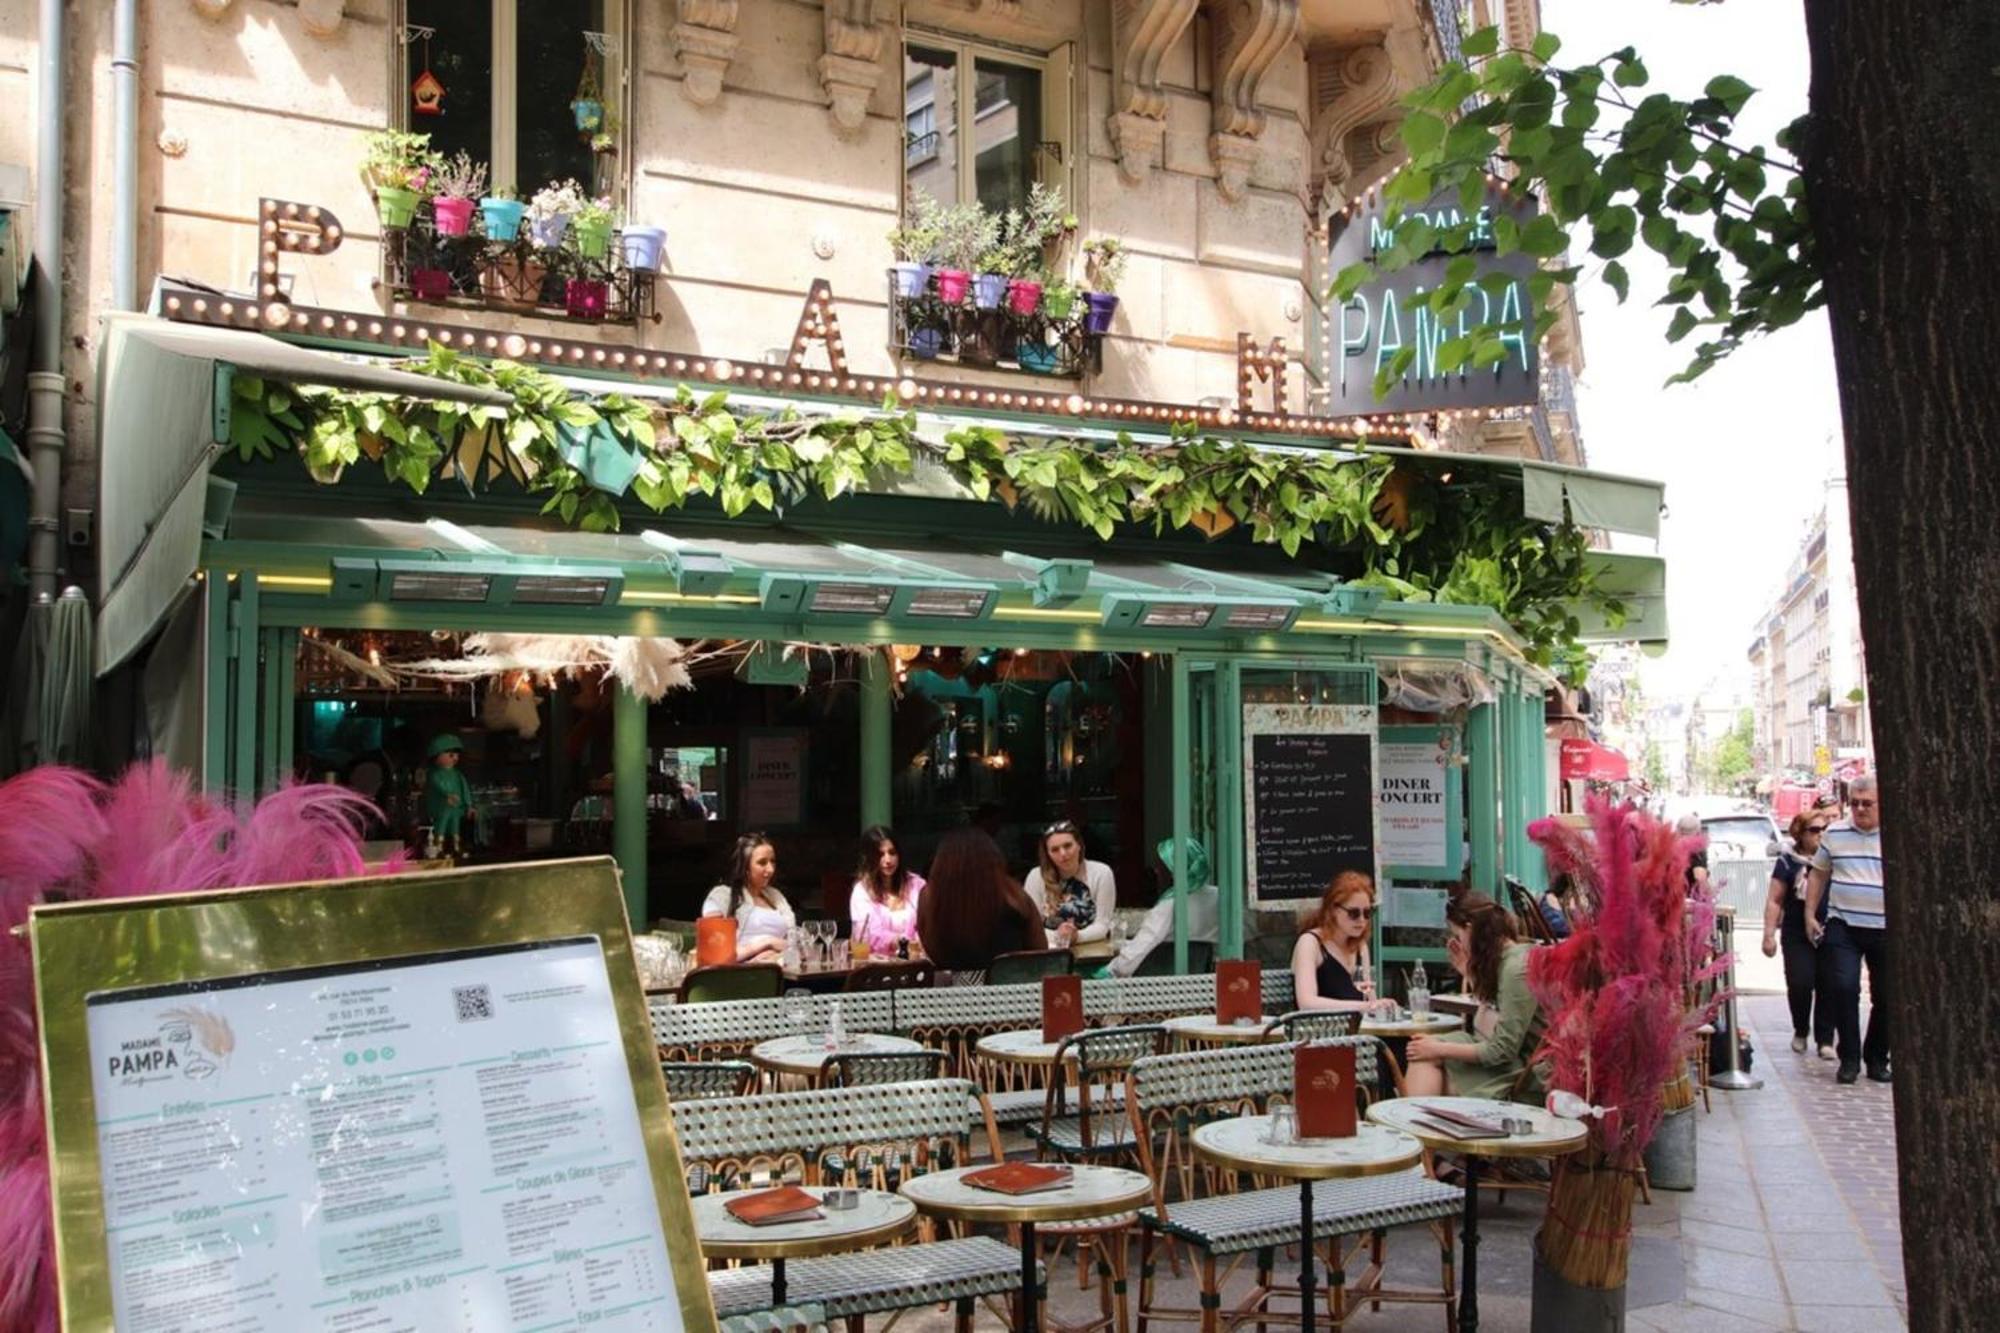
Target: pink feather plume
{"x":49,"y":826}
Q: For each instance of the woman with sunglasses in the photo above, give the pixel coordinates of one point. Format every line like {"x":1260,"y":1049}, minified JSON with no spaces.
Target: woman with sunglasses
{"x":1488,"y":952}
{"x":1785,"y":919}
{"x":1330,"y":961}
{"x":1076,"y":897}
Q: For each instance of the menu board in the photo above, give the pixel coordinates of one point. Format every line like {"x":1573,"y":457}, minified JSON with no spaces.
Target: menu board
{"x":439,"y":1142}
{"x":1309,"y":794}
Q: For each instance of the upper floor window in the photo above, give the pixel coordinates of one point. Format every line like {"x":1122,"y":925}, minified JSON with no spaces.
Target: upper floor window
{"x":512,"y":71}
{"x":983,"y":125}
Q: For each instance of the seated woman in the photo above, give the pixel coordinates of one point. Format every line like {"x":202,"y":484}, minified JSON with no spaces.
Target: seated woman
{"x":1076,"y":897}
{"x":1493,"y":960}
{"x":971,"y":910}
{"x":763,"y":918}
{"x":1330,"y":961}
{"x":1158,"y":927}
{"x":883,"y":906}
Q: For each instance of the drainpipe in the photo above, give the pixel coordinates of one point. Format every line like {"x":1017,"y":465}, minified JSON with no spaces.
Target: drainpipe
{"x":125,"y":155}
{"x":45,"y":381}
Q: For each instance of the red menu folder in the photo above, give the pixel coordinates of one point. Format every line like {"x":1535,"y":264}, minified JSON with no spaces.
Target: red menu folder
{"x":1239,"y":991}
{"x":1019,"y":1178}
{"x":1062,"y":1007}
{"x":787,"y":1203}
{"x":1323,"y":1091}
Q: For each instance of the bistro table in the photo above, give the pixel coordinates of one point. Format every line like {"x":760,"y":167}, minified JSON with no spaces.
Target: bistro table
{"x":1093,"y":1192}
{"x":806,"y":1057}
{"x":877,"y":1216}
{"x":1551,"y":1136}
{"x":1244,"y":1144}
{"x":1022,"y":1048}
{"x":1207,"y":1030}
{"x":1411,"y":1025}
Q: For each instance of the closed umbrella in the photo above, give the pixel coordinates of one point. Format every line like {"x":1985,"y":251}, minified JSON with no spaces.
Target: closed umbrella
{"x":63,"y":710}
{"x":22,"y":729}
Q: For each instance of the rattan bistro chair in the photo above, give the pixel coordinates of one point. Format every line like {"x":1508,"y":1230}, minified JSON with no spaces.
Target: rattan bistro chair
{"x":1160,"y":962}
{"x":862,"y":1069}
{"x":1313,"y":1025}
{"x":691,"y":1080}
{"x":1027,"y":965}
{"x":916,"y":974}
{"x":732,"y":981}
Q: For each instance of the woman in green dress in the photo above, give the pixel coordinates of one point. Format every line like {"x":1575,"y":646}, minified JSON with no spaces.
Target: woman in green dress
{"x":1489,"y":1061}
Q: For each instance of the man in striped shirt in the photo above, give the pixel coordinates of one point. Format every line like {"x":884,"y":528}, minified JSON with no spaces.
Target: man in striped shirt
{"x":1847,"y":876}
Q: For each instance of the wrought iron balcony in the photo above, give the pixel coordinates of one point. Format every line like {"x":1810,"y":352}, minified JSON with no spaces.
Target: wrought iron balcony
{"x":473,"y":271}
{"x":1012,"y":335}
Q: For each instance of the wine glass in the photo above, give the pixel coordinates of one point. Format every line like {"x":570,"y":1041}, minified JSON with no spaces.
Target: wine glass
{"x":827,"y":931}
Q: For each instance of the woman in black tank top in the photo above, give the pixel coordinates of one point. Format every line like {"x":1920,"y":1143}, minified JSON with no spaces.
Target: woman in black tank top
{"x":1322,"y":976}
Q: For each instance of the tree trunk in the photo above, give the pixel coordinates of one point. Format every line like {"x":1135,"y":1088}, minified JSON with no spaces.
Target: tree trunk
{"x":1902,"y":168}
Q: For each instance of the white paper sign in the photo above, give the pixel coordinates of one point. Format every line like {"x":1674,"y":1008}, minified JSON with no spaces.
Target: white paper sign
{"x":447,"y":1142}
{"x":1413,"y":812}
{"x":774,"y":781}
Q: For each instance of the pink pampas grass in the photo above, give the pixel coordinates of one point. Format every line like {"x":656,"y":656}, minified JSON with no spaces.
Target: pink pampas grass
{"x":49,"y":825}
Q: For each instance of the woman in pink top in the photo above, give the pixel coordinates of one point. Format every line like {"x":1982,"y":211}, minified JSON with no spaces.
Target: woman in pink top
{"x":883,"y":906}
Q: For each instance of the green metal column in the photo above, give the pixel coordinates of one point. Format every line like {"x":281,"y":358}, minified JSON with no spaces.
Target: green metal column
{"x":1482,"y":807}
{"x":1535,"y":797}
{"x":1510,"y":781}
{"x":286,"y":704}
{"x":1233,"y":864}
{"x":243,"y":763}
{"x":215,"y":702}
{"x":628,"y":798}
{"x":1181,"y":746}
{"x":271,"y":715}
{"x":877,"y":717}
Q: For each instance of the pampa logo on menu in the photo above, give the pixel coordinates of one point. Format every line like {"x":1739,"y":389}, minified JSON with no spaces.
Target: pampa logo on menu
{"x":1326,"y":1080}
{"x":191,"y":1044}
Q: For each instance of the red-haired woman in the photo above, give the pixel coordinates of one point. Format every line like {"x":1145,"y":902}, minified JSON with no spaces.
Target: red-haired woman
{"x":1492,"y":958}
{"x":1330,"y":961}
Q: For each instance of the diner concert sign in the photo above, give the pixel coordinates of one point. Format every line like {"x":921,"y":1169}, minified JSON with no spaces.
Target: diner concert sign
{"x":1418,"y":788}
{"x":1309,"y":798}
{"x":458,"y":1125}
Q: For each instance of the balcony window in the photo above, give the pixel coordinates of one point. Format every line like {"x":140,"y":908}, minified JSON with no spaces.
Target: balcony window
{"x":983,"y":125}
{"x":510,"y":70}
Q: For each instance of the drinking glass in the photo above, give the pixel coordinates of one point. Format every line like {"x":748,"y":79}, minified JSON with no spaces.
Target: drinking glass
{"x":1284,"y":1126}
{"x":799,"y":1011}
{"x":827,"y":931}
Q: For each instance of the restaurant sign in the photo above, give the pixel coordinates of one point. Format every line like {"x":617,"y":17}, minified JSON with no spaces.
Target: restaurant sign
{"x":1388,"y":315}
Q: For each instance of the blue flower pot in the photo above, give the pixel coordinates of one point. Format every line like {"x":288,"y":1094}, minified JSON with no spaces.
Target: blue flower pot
{"x":925,"y":344}
{"x":1036,"y":356}
{"x":912,"y":279}
{"x":502,"y":217}
{"x":989,"y":290}
{"x":642,"y":247}
{"x":589,"y":113}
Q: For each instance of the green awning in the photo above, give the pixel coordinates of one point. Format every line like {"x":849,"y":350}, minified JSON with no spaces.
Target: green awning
{"x":1595,"y":499}
{"x":1640,"y":583}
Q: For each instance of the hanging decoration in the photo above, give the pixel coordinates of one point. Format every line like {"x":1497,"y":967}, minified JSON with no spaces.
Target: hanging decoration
{"x":588,"y":104}
{"x":427,"y":92}
{"x":649,"y":667}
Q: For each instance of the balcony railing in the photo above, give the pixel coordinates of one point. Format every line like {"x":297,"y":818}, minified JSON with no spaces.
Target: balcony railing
{"x":919,"y":148}
{"x":926,"y":327}
{"x":475,"y":272}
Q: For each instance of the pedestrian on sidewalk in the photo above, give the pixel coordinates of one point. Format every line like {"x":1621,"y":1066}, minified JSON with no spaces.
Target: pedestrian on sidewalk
{"x":1847,"y":877}
{"x":1785,"y":919}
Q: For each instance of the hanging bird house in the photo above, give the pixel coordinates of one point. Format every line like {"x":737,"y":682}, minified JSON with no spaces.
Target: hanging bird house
{"x":427,"y":95}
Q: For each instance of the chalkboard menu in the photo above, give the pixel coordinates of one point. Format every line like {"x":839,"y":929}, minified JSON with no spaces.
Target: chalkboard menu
{"x":1309,"y":791}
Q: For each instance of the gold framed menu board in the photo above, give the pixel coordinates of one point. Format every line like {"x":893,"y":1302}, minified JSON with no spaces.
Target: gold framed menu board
{"x":424,"y":1101}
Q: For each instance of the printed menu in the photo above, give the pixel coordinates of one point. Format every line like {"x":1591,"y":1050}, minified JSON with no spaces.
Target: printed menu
{"x":440,"y":1142}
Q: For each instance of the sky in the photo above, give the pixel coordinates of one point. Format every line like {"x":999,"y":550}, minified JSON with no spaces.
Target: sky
{"x":1746,"y":450}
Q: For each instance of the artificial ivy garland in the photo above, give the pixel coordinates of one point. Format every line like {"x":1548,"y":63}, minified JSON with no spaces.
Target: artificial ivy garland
{"x":1419,"y":540}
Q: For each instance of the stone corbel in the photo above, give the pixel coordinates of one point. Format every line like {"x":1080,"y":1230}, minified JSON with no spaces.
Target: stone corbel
{"x":1351,"y":86}
{"x":1249,"y":36}
{"x":1142,"y":32}
{"x":704,"y":40}
{"x":321,"y":18}
{"x":852,"y":65}
{"x":212,"y":9}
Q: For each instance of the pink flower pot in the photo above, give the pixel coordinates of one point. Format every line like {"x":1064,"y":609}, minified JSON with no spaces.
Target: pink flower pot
{"x":454,"y":216}
{"x":953,"y":284}
{"x":430,"y":284}
{"x":1024,"y":297}
{"x":586,"y":298}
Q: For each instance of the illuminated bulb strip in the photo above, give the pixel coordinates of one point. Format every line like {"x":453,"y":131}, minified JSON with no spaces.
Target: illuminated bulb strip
{"x":645,"y":597}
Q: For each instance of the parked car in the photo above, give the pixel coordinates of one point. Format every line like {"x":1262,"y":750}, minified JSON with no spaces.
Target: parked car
{"x":1742,"y":844}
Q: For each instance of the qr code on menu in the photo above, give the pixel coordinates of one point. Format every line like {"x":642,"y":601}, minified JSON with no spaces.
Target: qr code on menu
{"x":473,"y":1002}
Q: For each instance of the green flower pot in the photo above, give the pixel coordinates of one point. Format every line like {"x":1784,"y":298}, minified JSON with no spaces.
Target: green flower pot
{"x":593,"y":239}
{"x":395,"y":207}
{"x":1058,"y":304}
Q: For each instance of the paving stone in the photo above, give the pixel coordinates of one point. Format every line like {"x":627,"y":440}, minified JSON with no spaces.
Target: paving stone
{"x":1832,"y":1282}
{"x":1723,"y":1272}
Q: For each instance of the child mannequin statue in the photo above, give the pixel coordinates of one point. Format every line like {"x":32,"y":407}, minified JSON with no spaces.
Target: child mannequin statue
{"x":447,"y":795}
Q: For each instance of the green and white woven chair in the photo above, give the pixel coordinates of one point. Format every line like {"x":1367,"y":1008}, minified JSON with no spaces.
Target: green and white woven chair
{"x":691,"y":1080}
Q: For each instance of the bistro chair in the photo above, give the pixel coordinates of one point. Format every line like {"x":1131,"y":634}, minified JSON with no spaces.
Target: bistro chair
{"x":862,"y":1069}
{"x":692,"y":1080}
{"x":1313,"y":1025}
{"x":1027,"y":965}
{"x":1528,"y":913}
{"x":732,"y":981}
{"x":916,"y":974}
{"x":1160,"y":962}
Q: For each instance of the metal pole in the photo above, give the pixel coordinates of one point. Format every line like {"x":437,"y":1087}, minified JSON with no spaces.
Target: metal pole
{"x":46,"y":394}
{"x":125,"y":155}
{"x":877,"y":709}
{"x":1482,"y":818}
{"x":628,"y":798}
{"x":1732,"y":1077}
{"x":1180,"y":746}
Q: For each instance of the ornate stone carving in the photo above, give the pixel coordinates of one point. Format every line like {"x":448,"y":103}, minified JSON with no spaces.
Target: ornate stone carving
{"x":1249,"y":36}
{"x":852,"y":64}
{"x":1351,"y":86}
{"x":1142,"y":32}
{"x":704,"y":39}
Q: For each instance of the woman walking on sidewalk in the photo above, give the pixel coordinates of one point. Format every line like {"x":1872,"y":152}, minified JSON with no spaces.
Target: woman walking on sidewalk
{"x":1785,"y":922}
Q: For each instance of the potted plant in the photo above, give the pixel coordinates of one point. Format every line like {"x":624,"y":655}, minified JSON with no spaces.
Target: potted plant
{"x":916,"y":245}
{"x":550,"y":212}
{"x":1034,"y":231}
{"x":501,"y":212}
{"x":997,"y":264}
{"x":965,"y":233}
{"x":641,"y":247}
{"x":398,"y":169}
{"x":1104,"y":264}
{"x":456,"y":184}
{"x":1059,"y":297}
{"x":591,"y":226}
{"x":588,"y":103}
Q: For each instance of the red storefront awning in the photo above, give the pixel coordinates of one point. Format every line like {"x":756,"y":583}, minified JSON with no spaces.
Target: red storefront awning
{"x":1588,"y":759}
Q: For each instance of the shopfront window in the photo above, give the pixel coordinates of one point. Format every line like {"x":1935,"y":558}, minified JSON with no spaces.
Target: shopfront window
{"x":982,"y":126}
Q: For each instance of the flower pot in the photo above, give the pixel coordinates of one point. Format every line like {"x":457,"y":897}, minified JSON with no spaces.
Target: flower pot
{"x":502,"y":218}
{"x":593,"y":238}
{"x":586,"y":298}
{"x":925,"y":344}
{"x":1099,"y":307}
{"x":642,"y":247}
{"x":511,"y":281}
{"x":1561,"y":1306}
{"x":1057,"y":304}
{"x":589,"y":112}
{"x":395,"y":207}
{"x":1024,"y":297}
{"x":952,"y":285}
{"x":1037,"y":356}
{"x":911,"y":279}
{"x":989,"y":290}
{"x":548,"y":231}
{"x":1670,"y":1157}
{"x":454,"y":216}
{"x":430,"y":284}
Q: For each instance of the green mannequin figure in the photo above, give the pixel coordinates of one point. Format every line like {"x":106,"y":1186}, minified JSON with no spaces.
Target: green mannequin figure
{"x":447,"y":795}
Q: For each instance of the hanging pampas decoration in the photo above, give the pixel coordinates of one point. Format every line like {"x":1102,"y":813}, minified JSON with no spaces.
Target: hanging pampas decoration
{"x":649,"y":667}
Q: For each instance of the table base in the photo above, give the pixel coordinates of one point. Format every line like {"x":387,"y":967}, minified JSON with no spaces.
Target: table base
{"x":1468,"y":1243}
{"x":778,"y":1283}
{"x":1307,"y":1258}
{"x":1031,"y":1305}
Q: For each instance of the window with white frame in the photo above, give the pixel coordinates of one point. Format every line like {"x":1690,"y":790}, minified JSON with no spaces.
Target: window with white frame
{"x":512,"y":72}
{"x":983,"y":124}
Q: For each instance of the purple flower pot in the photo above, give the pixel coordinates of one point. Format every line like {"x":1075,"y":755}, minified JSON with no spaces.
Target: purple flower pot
{"x":642,"y":247}
{"x":586,"y":298}
{"x":548,"y":231}
{"x":989,"y":290}
{"x":925,"y":344}
{"x":1099,"y":307}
